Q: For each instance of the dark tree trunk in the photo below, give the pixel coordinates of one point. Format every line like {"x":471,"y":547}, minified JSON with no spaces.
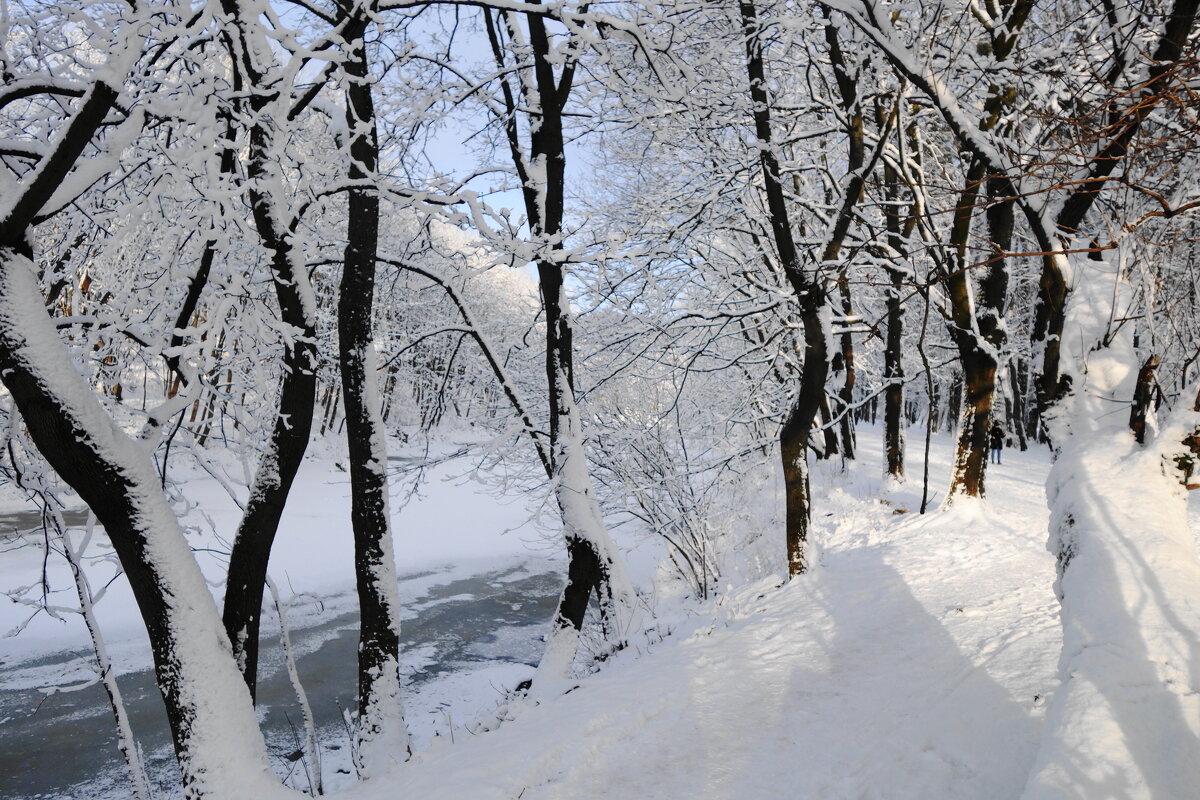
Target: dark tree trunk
{"x":935,"y":407}
{"x":975,"y":420}
{"x":978,"y":331}
{"x":842,"y":362}
{"x":593,"y":562}
{"x":893,"y":360}
{"x":893,"y":397}
{"x":587,"y":570}
{"x":328,"y":408}
{"x":828,"y":431}
{"x":1143,"y":396}
{"x":586,"y":573}
{"x":953,"y":404}
{"x":845,"y":393}
{"x":276,"y":471}
{"x":1018,"y":420}
{"x":1049,"y":319}
{"x":285,"y":449}
{"x":980,"y":350}
{"x":795,"y":432}
{"x":793,"y":442}
{"x":380,"y":720}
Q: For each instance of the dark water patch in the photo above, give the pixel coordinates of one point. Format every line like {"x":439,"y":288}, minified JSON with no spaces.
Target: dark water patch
{"x":64,"y":745}
{"x":16,"y":526}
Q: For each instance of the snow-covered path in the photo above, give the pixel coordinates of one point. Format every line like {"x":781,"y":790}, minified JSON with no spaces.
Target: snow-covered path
{"x":913,"y":663}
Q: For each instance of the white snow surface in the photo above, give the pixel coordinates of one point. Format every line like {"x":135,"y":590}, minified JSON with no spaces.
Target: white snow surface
{"x":913,"y":662}
{"x":916,"y":660}
{"x":1126,"y":722}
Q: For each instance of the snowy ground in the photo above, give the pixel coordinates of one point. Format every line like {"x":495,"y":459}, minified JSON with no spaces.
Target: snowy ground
{"x":914,"y":661}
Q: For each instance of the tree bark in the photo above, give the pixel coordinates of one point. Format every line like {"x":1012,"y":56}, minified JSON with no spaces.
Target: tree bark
{"x":1143,"y":396}
{"x":977,"y":329}
{"x":206,"y":701}
{"x":594,"y":564}
{"x":381,"y":735}
{"x":975,"y":418}
{"x":794,"y":433}
{"x":285,"y":449}
{"x":893,"y":360}
{"x":1018,"y":420}
{"x":842,"y":361}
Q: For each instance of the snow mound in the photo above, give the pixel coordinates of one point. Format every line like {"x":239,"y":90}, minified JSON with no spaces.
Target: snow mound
{"x":1126,"y":722}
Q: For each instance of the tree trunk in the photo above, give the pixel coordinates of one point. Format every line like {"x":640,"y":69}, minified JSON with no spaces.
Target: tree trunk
{"x":216,"y":736}
{"x":1143,"y":396}
{"x":975,"y":420}
{"x":845,"y":393}
{"x":1018,"y":420}
{"x":842,"y":362}
{"x":595,"y":565}
{"x":893,"y":373}
{"x":277,"y":470}
{"x":829,"y":436}
{"x":797,"y":427}
{"x":381,"y":736}
{"x":893,"y":356}
{"x":975,"y":355}
{"x":284,"y":451}
{"x":981,"y":337}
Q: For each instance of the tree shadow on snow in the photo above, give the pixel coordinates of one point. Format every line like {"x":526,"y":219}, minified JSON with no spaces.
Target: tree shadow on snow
{"x":1112,"y":656}
{"x":856,"y":690}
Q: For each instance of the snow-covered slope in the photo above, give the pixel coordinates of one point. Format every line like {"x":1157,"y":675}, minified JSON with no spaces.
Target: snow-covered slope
{"x":1126,"y":723}
{"x":912,"y":663}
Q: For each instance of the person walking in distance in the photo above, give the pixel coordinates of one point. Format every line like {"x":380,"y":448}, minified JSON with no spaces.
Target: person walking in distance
{"x":997,"y":435}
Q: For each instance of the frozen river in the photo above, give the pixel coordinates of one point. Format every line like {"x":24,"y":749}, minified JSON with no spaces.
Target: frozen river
{"x":487,"y":625}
